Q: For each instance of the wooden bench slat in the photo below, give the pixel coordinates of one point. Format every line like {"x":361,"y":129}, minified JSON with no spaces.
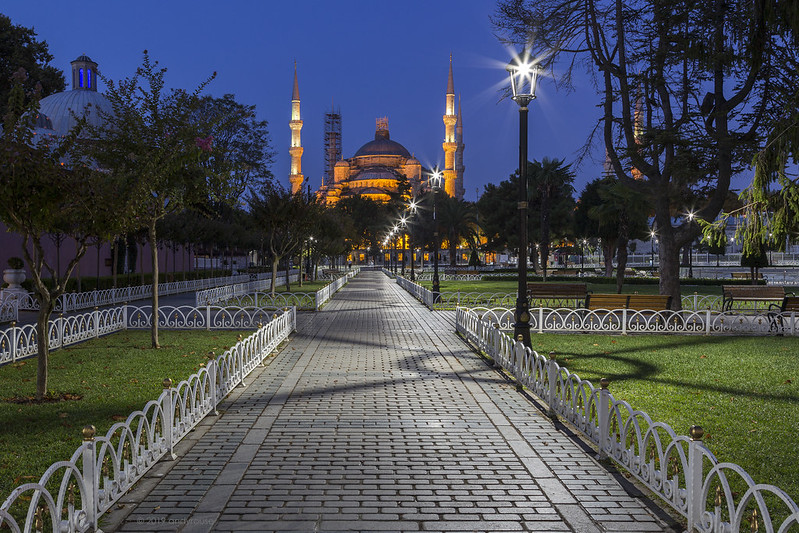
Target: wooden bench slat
{"x":635,"y":302}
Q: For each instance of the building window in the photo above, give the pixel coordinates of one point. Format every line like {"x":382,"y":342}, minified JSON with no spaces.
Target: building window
{"x":80,"y":78}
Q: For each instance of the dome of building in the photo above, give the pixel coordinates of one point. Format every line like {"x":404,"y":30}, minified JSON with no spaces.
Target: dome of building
{"x":60,"y":106}
{"x":82,"y":100}
{"x":382,"y":145}
{"x":375,"y":173}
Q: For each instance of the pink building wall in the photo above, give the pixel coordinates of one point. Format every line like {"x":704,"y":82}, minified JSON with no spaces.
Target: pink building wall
{"x":11,"y":246}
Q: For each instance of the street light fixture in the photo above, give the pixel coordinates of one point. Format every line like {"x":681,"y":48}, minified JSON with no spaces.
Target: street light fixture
{"x":403,"y":224}
{"x":434,"y":182}
{"x":523,"y":77}
{"x":412,"y":210}
{"x":691,"y":249}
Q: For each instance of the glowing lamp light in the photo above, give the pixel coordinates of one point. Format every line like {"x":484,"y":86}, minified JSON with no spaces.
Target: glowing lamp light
{"x":523,"y":78}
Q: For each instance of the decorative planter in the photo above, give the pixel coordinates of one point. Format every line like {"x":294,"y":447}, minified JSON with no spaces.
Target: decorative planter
{"x":14,"y":277}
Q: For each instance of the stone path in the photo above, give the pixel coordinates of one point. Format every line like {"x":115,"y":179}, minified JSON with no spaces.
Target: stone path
{"x":377,"y":417}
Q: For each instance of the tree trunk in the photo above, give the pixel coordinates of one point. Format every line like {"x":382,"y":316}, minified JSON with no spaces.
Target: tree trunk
{"x":115,"y":262}
{"x":43,"y":347}
{"x":154,"y":248}
{"x":275,"y":262}
{"x":607,"y":252}
{"x":288,"y":271}
{"x":453,"y":253}
{"x":621,"y":260}
{"x":669,"y":263}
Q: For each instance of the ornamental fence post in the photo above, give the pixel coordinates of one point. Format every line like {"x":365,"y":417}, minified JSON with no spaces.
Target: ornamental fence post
{"x":240,"y":360}
{"x":91,"y":502}
{"x":96,"y":318}
{"x":708,"y":318}
{"x":793,"y":325}
{"x":540,"y":320}
{"x":13,"y":347}
{"x":60,"y":330}
{"x":125,"y":315}
{"x":696,"y":301}
{"x":169,"y":411}
{"x":552,"y":376}
{"x":604,"y":418}
{"x":212,"y":376}
{"x":624,"y":321}
{"x":208,"y":316}
{"x":693,"y":481}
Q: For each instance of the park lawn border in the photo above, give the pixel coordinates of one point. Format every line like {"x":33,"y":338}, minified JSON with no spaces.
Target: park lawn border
{"x":115,"y":374}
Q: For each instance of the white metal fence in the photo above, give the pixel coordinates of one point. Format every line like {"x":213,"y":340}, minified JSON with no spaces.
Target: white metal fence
{"x":9,"y":309}
{"x":226,"y":292}
{"x":75,"y":301}
{"x":713,"y":496}
{"x":72,"y":495}
{"x":300,"y":300}
{"x":19,"y":342}
{"x":694,"y":302}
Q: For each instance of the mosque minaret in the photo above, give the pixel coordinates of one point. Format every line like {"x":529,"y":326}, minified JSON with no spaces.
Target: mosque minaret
{"x":296,"y":177}
{"x":449,"y":145}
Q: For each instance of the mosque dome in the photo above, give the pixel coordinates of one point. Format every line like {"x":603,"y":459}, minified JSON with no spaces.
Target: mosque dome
{"x":82,"y":100}
{"x":382,"y":145}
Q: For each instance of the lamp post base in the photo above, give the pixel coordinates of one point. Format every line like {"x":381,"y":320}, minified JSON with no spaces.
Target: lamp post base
{"x":521,"y":329}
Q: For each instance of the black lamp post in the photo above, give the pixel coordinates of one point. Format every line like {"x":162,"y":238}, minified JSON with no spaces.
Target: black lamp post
{"x":523,"y":76}
{"x":582,"y":256}
{"x":434,"y":181}
{"x":412,"y":209}
{"x":691,"y":250}
{"x":403,"y":242}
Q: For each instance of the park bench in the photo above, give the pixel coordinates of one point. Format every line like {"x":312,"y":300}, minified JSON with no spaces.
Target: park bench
{"x":750,"y":293}
{"x":633,"y":302}
{"x":745,"y":275}
{"x":561,"y":292}
{"x":790,"y":304}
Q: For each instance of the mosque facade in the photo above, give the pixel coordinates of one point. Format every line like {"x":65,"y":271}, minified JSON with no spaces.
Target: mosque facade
{"x":379,"y":168}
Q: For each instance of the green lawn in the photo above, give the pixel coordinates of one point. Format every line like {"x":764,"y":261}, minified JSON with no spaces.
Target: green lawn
{"x":744,"y":391}
{"x":114,"y":375}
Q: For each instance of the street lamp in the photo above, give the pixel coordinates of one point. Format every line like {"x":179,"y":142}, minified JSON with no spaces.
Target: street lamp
{"x":582,"y":256}
{"x":523,"y":76}
{"x":403,"y":241}
{"x":394,"y":231}
{"x":652,"y":239}
{"x":691,"y":249}
{"x":412,"y":209}
{"x":434,"y":181}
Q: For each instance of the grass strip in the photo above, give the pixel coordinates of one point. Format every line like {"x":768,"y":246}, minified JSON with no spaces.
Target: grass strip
{"x":744,"y":391}
{"x":113,"y":376}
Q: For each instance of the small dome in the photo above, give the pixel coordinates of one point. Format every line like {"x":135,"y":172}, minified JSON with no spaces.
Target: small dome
{"x":60,"y":106}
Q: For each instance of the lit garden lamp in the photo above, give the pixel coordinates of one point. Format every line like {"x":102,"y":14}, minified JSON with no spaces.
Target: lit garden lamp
{"x":412,"y":208}
{"x":434,"y":182}
{"x":652,"y":239}
{"x":394,"y":231}
{"x":403,"y":224}
{"x":523,"y":77}
{"x":691,"y":216}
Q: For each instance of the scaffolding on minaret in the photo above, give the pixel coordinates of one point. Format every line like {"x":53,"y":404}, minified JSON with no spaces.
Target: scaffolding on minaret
{"x":332,"y":146}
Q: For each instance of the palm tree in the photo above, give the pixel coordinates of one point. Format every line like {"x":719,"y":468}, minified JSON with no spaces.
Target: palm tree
{"x":550,"y":180}
{"x":457,"y":221}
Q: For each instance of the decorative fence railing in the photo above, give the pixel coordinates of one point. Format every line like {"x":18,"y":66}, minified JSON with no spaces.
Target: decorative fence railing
{"x":454,"y":299}
{"x":9,"y":310}
{"x":627,"y":321}
{"x":227,"y":292}
{"x":713,"y":496}
{"x":72,"y":495}
{"x":300,"y":300}
{"x":75,"y":301}
{"x":19,"y":342}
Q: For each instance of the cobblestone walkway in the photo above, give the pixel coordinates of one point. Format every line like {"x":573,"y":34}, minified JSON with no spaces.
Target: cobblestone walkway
{"x":377,"y":417}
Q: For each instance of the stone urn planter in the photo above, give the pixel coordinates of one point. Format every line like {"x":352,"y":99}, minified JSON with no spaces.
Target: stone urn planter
{"x":14,"y":277}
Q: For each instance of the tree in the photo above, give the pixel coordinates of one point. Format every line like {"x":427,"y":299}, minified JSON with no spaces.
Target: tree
{"x":242,"y":155}
{"x":551,"y":182}
{"x":280,"y":217}
{"x":550,"y":189}
{"x":20,"y":50}
{"x":150,"y":142}
{"x":457,"y":221}
{"x":47,"y":190}
{"x":684,"y":87}
{"x":623,"y":214}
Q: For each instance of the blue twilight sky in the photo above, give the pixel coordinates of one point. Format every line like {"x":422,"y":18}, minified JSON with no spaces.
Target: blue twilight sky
{"x":370,"y":58}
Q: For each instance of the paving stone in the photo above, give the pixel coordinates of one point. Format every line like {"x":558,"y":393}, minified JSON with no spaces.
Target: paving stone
{"x":377,"y":417}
